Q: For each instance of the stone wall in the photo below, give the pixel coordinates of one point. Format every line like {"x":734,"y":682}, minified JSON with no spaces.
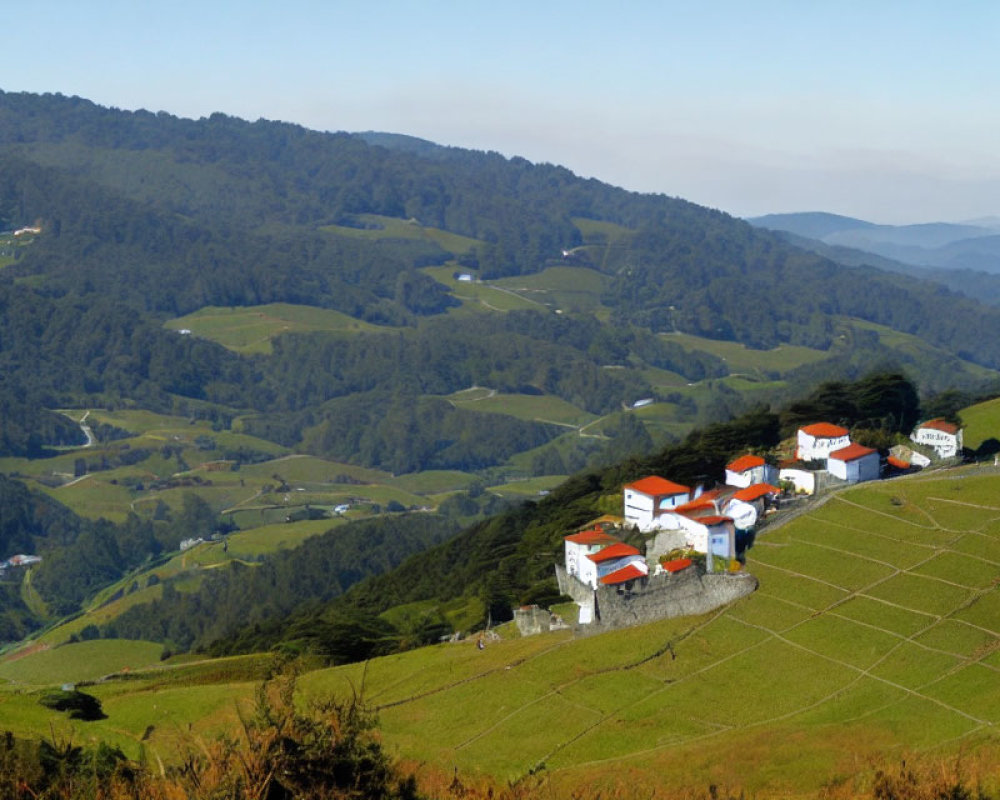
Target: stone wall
{"x":686,"y":593}
{"x":662,"y":542}
{"x":532,"y":619}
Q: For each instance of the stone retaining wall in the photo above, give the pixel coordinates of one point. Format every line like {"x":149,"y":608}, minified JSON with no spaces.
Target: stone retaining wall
{"x":686,"y":593}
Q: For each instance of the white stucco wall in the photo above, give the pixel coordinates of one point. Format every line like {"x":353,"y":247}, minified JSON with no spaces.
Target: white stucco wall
{"x":813,"y":448}
{"x":802,"y":479}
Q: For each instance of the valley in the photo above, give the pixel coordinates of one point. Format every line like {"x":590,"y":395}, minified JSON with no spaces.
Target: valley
{"x":281,"y":402}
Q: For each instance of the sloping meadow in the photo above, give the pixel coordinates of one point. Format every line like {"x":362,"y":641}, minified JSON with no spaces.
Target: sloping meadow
{"x":875,"y":631}
{"x":874,"y":636}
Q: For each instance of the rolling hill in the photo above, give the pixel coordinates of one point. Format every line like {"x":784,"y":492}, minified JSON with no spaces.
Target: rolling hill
{"x":262,"y":322}
{"x":873,"y":637}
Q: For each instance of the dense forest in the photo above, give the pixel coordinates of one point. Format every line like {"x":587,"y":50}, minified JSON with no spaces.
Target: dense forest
{"x":147,"y":216}
{"x":139,"y":218}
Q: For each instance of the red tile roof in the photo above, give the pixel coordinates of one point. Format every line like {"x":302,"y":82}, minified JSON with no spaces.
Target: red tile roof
{"x":824,"y":430}
{"x":714,"y":520}
{"x":692,"y":508}
{"x":743,"y":463}
{"x":755,"y":492}
{"x":617,"y":550}
{"x":626,"y":573}
{"x":852,"y":452}
{"x":654,"y":485}
{"x":940,"y":425}
{"x":591,"y":537}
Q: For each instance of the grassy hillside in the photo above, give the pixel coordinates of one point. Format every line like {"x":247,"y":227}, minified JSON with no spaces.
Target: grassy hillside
{"x":982,"y":422}
{"x":875,"y":634}
{"x":875,"y":629}
{"x":250,"y":329}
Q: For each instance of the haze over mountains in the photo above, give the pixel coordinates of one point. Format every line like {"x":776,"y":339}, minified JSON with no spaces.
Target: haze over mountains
{"x":379,"y":302}
{"x":342,"y":395}
{"x":971,"y":246}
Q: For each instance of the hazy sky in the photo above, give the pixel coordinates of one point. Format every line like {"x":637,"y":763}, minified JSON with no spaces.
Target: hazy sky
{"x":888,"y":111}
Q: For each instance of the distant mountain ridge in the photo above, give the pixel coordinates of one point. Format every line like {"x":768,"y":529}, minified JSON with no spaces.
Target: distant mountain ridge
{"x":149,"y":217}
{"x":936,"y":244}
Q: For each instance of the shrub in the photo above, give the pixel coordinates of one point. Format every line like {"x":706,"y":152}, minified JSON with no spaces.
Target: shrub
{"x":80,"y":705}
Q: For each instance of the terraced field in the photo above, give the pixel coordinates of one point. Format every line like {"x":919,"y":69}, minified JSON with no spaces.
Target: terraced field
{"x":876,"y":630}
{"x":875,"y":635}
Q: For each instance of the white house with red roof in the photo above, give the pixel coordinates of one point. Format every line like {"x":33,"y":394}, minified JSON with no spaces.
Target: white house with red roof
{"x":854,"y":463}
{"x":944,"y":437}
{"x":646,"y":499}
{"x":583,"y":544}
{"x":609,"y":560}
{"x":746,"y":506}
{"x":626,"y":575}
{"x":702,"y":524}
{"x":817,"y":441}
{"x":748,"y":470}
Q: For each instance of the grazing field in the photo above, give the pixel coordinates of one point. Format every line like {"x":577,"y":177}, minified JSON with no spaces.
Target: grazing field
{"x":538,"y":408}
{"x":375,"y":226}
{"x":875,"y":634}
{"x":981,"y":421}
{"x":876,"y":629}
{"x":250,"y":329}
{"x":433,"y":481}
{"x":530,"y":487}
{"x":742,"y":359}
{"x":565,"y":288}
{"x":476,"y":296}
{"x":83,"y":661}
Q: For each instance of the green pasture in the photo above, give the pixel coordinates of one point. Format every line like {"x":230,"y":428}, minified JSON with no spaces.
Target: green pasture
{"x":269,"y":539}
{"x":155,"y":430}
{"x":663,"y":379}
{"x":94,"y":496}
{"x":82,"y":661}
{"x":306,"y":470}
{"x":375,"y":226}
{"x":187,"y":569}
{"x":100,"y":614}
{"x":599,"y":230}
{"x":537,"y":408}
{"x":520,"y":463}
{"x":529,"y":487}
{"x":250,"y":329}
{"x":564,"y":288}
{"x":852,"y":644}
{"x":477,"y":296}
{"x":452,"y":242}
{"x":10,"y":244}
{"x":754,"y":363}
{"x":874,"y":632}
{"x":664,"y":421}
{"x":981,"y":422}
{"x":433,"y":481}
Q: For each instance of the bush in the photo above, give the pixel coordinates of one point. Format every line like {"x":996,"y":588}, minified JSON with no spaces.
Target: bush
{"x":80,"y":705}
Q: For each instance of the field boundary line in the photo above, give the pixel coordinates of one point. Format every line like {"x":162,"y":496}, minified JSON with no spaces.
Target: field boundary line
{"x":963,"y":503}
